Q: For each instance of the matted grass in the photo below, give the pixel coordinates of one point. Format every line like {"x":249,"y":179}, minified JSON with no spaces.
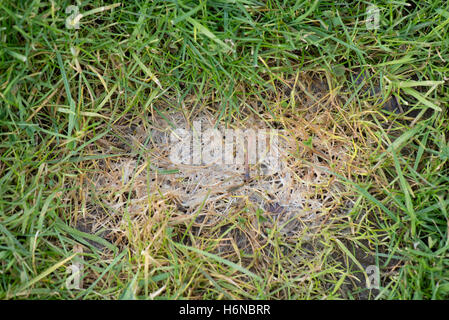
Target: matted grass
{"x":72,"y":100}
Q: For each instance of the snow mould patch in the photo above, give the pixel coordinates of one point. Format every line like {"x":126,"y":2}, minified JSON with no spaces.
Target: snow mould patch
{"x":288,"y":183}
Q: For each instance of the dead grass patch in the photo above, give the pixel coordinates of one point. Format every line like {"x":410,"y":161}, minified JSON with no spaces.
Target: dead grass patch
{"x":136,"y":195}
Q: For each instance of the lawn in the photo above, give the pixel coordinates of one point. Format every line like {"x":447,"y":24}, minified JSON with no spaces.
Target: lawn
{"x":91,"y":207}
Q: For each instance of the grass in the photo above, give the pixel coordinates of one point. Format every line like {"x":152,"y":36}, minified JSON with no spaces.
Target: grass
{"x":63,"y":91}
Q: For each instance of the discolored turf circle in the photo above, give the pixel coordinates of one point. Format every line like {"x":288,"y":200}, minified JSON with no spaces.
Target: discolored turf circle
{"x":276,"y":222}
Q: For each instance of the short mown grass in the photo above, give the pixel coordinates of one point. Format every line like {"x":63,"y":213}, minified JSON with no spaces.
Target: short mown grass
{"x":63,"y":90}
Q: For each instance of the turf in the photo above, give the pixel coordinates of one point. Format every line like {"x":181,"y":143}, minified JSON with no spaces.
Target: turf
{"x":65,"y":90}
